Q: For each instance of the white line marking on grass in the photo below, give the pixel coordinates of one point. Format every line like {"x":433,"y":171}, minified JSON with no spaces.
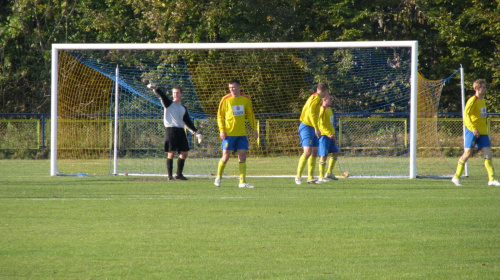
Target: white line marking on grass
{"x":162,"y":197}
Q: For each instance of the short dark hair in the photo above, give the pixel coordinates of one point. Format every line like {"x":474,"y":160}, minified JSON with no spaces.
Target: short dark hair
{"x":235,"y":81}
{"x":323,"y":86}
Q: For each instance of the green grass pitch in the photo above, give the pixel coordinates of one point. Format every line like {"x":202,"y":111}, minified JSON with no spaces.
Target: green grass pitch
{"x":117,"y":227}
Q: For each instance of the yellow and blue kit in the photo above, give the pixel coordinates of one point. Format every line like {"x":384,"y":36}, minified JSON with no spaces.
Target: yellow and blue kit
{"x":231,"y":115}
{"x":475,"y":115}
{"x":326,"y":121}
{"x":310,"y":111}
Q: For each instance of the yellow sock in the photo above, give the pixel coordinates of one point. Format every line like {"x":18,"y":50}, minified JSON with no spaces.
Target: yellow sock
{"x":460,"y":169}
{"x":311,"y":163}
{"x":242,"y":166}
{"x":322,"y":167}
{"x":331,"y":164}
{"x":489,"y":167}
{"x":302,"y":164}
{"x":220,"y":168}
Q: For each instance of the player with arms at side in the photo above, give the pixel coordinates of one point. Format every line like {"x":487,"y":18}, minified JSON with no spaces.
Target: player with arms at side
{"x":327,"y":142}
{"x":309,"y":133}
{"x":175,"y":117}
{"x":231,"y":122}
{"x":476,"y":134}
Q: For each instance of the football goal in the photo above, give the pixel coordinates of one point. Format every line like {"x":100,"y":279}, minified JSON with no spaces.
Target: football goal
{"x":105,"y":120}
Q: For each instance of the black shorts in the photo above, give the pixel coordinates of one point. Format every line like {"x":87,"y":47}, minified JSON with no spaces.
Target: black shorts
{"x":176,"y":140}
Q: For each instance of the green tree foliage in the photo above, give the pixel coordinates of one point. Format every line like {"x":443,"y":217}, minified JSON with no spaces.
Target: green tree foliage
{"x":467,"y":33}
{"x":27,"y":30}
{"x":450,"y":33}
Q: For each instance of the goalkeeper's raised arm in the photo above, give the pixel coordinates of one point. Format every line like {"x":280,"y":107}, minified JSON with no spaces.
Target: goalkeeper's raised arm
{"x":175,"y":117}
{"x":165,"y":101}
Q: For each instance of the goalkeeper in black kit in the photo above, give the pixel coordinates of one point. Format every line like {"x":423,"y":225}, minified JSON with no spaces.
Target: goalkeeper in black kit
{"x":175,"y":117}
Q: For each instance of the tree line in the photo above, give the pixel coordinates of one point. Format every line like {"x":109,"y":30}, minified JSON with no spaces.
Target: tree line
{"x":450,"y":33}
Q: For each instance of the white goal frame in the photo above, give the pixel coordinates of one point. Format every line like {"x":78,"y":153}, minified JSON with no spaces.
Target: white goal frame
{"x":192,"y":46}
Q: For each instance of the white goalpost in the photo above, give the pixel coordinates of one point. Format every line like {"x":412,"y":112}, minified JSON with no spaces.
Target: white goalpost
{"x":117,"y":121}
{"x":105,"y":121}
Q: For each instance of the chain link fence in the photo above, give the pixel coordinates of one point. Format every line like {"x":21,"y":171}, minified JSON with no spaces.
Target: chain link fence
{"x":450,"y":131}
{"x":23,"y":136}
{"x":28,"y":135}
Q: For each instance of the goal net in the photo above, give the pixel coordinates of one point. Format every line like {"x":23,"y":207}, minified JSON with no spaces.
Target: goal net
{"x":384,"y":126}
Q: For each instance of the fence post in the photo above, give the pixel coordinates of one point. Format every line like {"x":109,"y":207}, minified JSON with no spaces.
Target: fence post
{"x":43,"y":131}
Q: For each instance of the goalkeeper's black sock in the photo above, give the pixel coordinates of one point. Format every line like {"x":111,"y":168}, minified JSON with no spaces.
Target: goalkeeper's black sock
{"x":180,"y":166}
{"x":170,"y":163}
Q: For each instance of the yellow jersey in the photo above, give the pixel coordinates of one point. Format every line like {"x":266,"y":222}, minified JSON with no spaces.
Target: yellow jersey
{"x":475,"y":115}
{"x":231,"y":115}
{"x":326,"y":121}
{"x":310,"y":111}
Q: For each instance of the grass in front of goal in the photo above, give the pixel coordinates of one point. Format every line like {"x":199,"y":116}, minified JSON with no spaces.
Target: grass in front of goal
{"x":118,"y":227}
{"x":256,"y":166}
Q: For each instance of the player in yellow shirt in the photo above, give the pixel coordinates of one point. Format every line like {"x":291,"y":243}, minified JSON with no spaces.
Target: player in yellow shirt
{"x":231,"y":122}
{"x":327,"y":142}
{"x":309,"y":133}
{"x":476,"y":134}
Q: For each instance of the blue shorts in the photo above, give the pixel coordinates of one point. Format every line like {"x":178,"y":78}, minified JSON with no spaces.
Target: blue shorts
{"x":235,"y":143}
{"x":307,"y":136}
{"x":472,"y":141}
{"x":326,"y":146}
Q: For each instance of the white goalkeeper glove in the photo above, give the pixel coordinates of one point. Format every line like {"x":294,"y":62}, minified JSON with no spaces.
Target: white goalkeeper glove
{"x":199,"y":138}
{"x":152,"y":85}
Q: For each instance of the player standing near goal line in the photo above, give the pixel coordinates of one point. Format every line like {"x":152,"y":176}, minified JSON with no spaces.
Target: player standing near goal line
{"x":231,"y":121}
{"x":175,"y":117}
{"x":309,"y":133}
{"x":327,"y":142}
{"x":476,"y":133}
